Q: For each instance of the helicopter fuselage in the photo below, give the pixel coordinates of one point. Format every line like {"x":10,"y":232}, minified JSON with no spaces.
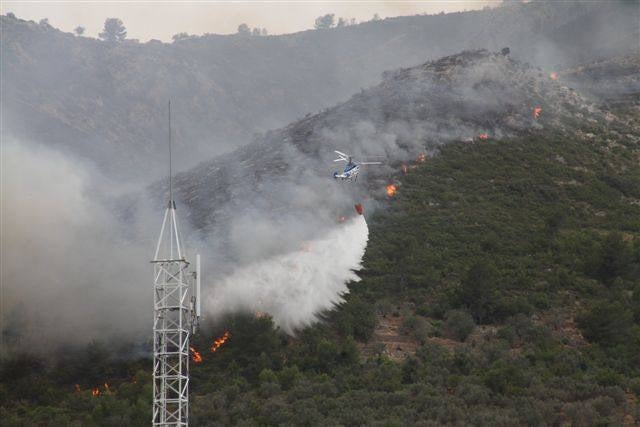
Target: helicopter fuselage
{"x":350,"y":172}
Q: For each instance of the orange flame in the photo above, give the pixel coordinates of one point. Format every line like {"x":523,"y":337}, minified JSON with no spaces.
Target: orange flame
{"x":537,"y":111}
{"x":421,"y":158}
{"x":553,"y":76}
{"x":391,"y":190}
{"x":106,"y":387}
{"x":483,"y":136}
{"x":196,"y":356}
{"x":95,"y":392}
{"x":218,"y":342}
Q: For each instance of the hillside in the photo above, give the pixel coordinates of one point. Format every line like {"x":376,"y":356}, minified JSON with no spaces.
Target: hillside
{"x":463,"y":97}
{"x":501,"y":283}
{"x":613,"y":84}
{"x":107,"y":102}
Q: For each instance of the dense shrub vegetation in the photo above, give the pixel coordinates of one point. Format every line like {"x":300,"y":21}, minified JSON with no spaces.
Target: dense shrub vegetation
{"x":522,"y":256}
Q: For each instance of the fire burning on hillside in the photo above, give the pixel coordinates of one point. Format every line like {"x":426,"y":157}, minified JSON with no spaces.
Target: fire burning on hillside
{"x":195,"y":355}
{"x":483,"y":136}
{"x":391,"y":190}
{"x":218,"y":342}
{"x":536,"y":112}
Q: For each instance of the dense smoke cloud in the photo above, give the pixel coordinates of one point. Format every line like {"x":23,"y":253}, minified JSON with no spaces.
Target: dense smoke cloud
{"x":76,"y":249}
{"x":71,"y":269}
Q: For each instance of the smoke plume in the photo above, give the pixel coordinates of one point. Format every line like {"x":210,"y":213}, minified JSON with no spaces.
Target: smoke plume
{"x":71,"y":269}
{"x":76,"y":248}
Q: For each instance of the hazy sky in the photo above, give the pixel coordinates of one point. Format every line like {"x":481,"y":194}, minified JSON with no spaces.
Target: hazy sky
{"x":146,"y":20}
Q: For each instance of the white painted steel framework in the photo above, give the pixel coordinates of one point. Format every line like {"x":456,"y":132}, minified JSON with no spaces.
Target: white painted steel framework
{"x":171,"y":325}
{"x":176,"y":299}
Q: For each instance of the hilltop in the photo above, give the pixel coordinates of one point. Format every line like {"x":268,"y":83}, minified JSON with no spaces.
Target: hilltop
{"x":107,"y":103}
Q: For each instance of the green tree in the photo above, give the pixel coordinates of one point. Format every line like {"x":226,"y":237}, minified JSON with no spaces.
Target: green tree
{"x":324,"y":22}
{"x":607,"y":323}
{"x":114,"y":31}
{"x":180,"y":36}
{"x":477,"y":291}
{"x":244,"y":30}
{"x":616,"y":258}
{"x":459,"y":324}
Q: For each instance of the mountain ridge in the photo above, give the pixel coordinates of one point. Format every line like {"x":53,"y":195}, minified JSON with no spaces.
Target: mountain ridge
{"x":413,"y":111}
{"x":110,"y":101}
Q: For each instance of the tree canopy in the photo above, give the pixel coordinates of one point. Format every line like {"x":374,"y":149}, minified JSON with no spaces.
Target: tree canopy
{"x":114,"y":31}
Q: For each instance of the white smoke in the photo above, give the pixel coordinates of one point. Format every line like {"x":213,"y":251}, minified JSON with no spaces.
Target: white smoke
{"x":76,"y":250}
{"x":71,"y":269}
{"x":294,"y":288}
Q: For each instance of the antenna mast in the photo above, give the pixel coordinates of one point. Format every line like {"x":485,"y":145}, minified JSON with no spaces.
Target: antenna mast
{"x":176,"y":315}
{"x":170,"y":171}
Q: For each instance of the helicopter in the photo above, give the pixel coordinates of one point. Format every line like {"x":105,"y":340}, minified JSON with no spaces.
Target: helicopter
{"x":351,"y":169}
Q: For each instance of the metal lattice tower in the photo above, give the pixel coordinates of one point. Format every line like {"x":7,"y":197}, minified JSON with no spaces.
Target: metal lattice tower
{"x":176,"y":313}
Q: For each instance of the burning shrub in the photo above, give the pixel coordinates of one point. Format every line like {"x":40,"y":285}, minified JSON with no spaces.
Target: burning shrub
{"x":391,"y":190}
{"x":219,"y":342}
{"x":195,"y":355}
{"x":536,"y":112}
